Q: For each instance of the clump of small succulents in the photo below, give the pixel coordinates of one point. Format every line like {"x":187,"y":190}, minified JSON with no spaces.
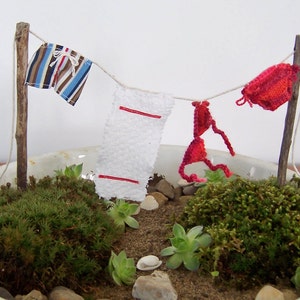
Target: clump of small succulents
{"x":73,"y":171}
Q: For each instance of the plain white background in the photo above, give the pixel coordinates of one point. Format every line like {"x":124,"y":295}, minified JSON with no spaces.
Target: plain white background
{"x":187,"y":48}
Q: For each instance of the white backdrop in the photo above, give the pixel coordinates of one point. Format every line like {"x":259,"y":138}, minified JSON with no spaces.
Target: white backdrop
{"x":188,"y":48}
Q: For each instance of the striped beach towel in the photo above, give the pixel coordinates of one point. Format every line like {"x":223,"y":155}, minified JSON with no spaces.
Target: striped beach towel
{"x":59,"y":67}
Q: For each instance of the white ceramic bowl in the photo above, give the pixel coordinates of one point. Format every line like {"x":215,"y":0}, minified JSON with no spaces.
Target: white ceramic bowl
{"x":167,"y":163}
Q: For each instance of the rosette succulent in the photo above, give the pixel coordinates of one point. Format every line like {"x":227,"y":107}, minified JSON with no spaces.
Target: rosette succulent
{"x":72,"y":171}
{"x":121,"y":212}
{"x":185,"y":247}
{"x":121,"y":268}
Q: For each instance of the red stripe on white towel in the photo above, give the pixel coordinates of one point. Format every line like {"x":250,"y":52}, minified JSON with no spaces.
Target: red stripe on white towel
{"x":118,"y":178}
{"x":138,"y":112}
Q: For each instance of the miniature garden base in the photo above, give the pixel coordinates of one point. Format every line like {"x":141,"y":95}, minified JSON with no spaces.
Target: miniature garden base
{"x":151,"y":237}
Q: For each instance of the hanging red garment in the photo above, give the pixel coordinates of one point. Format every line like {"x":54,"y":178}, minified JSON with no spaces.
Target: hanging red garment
{"x":272,"y":88}
{"x":196,"y":150}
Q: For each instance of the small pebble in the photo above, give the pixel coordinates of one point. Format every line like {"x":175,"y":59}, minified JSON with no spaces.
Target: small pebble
{"x":149,"y":203}
{"x":182,"y":182}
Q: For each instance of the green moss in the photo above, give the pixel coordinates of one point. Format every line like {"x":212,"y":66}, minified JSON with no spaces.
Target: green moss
{"x":255,"y":226}
{"x":55,"y":233}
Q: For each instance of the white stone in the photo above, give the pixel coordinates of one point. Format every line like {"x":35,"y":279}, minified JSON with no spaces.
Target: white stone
{"x":63,"y":293}
{"x":34,"y":295}
{"x":149,"y":262}
{"x":156,"y":286}
{"x":269,"y":293}
{"x":182,"y":182}
{"x":149,"y":203}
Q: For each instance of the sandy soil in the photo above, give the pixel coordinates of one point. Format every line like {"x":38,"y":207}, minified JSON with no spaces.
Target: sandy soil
{"x":151,"y":238}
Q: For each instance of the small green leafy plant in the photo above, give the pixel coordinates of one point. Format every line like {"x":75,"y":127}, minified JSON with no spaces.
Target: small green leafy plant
{"x":296,"y":279}
{"x":121,"y":268}
{"x":217,"y":176}
{"x":121,"y":212}
{"x":185,"y":247}
{"x":73,"y":171}
{"x":214,"y":177}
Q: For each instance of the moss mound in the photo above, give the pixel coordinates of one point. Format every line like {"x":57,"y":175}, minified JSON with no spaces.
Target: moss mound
{"x":55,"y":233}
{"x":255,"y":226}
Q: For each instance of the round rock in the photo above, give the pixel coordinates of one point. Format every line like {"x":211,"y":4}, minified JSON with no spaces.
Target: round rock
{"x":149,"y":203}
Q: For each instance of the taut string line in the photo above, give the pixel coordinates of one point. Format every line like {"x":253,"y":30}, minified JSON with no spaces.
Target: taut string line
{"x":143,"y":90}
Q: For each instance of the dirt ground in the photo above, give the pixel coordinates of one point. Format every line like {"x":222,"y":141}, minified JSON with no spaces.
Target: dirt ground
{"x":151,"y":238}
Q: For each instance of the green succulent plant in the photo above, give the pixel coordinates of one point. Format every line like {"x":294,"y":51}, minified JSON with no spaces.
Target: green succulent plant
{"x":73,"y":171}
{"x":185,"y":247}
{"x":214,"y":177}
{"x":296,"y":279}
{"x":121,"y":268}
{"x":121,"y":212}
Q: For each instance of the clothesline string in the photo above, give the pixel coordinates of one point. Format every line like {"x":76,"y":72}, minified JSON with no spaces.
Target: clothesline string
{"x":120,"y":83}
{"x":176,"y":97}
{"x":13,"y":114}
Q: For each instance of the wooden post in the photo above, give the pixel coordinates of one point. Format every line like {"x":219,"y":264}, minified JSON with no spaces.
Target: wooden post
{"x":289,"y":122}
{"x":21,"y":42}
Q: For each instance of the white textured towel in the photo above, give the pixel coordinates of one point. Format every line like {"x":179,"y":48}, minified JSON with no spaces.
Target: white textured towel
{"x":131,"y":140}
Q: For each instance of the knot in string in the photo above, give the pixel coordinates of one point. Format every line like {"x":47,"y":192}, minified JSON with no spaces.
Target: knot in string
{"x":242,"y":101}
{"x":59,"y":54}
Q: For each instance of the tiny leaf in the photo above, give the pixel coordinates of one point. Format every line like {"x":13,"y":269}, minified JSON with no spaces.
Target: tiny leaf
{"x":132,"y":222}
{"x":168,"y":251}
{"x":178,"y":230}
{"x":174,"y":261}
{"x":191,"y":262}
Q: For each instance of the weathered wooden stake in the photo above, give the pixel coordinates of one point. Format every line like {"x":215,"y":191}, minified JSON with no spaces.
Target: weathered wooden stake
{"x":289,"y":122}
{"x":21,"y":42}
